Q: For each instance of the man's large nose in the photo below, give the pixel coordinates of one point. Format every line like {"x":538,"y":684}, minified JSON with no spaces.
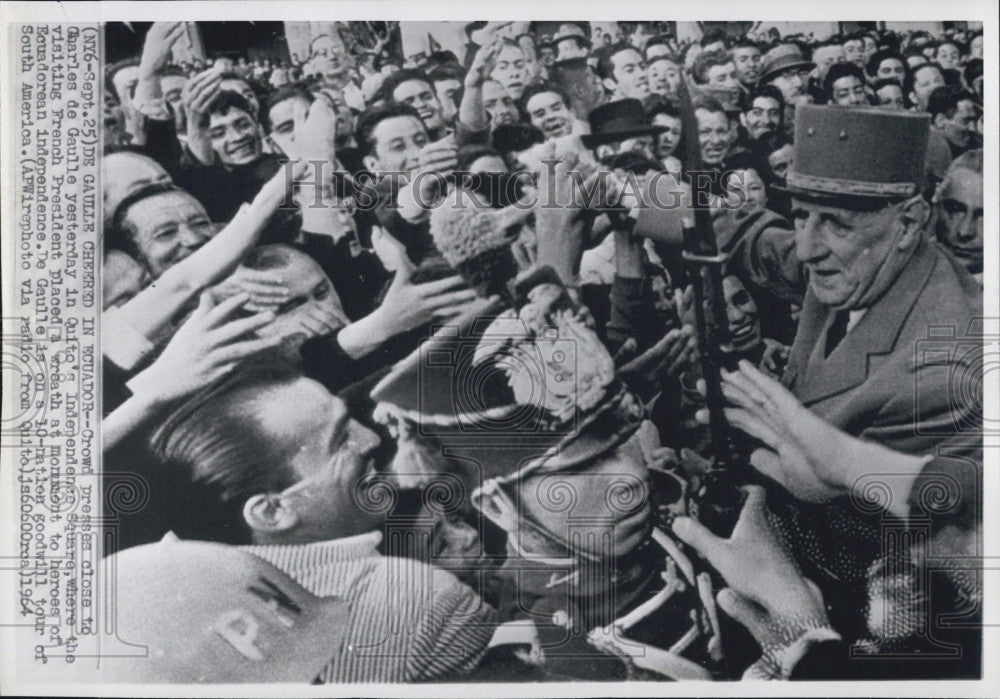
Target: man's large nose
{"x":189,"y":237}
{"x":809,"y":245}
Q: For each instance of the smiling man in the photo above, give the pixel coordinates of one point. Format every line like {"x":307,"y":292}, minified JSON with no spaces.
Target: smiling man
{"x":548,"y":110}
{"x":413,"y":88}
{"x":271,"y":460}
{"x":623,"y":72}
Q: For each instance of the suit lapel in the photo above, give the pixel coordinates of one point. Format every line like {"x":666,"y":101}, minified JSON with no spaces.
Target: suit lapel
{"x":875,"y":334}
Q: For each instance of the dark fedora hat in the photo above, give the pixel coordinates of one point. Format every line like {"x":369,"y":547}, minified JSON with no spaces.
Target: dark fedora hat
{"x":857,"y":153}
{"x":781,"y":58}
{"x":617,"y":121}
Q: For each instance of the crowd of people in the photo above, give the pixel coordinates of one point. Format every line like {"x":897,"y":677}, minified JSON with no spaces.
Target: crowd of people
{"x":326,"y":282}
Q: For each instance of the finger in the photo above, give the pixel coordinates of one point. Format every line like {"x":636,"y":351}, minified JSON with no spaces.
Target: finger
{"x":754,"y":426}
{"x":225,"y":309}
{"x":240,"y":350}
{"x":241,"y":327}
{"x":694,"y":534}
{"x":439,"y":285}
{"x":771,"y":465}
{"x":205,"y":304}
{"x":752,"y":514}
{"x":452,"y":298}
{"x":743,"y":610}
{"x":520,"y":255}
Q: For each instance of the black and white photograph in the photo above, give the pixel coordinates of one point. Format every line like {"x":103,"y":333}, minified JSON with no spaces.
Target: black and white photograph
{"x":505,"y":353}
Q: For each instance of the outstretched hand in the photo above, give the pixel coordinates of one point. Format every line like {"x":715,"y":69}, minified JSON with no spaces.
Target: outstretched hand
{"x":207,"y":346}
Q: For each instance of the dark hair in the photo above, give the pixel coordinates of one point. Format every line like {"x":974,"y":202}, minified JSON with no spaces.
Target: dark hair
{"x":605,"y":66}
{"x":742,"y":42}
{"x":885,"y":54}
{"x":446,"y":71}
{"x":396,"y":79}
{"x":226,"y":100}
{"x":765,"y":90}
{"x":214,"y":446}
{"x":537,"y":89}
{"x":714,"y":35}
{"x":911,"y":77}
{"x":764,"y":146}
{"x":945,"y":99}
{"x":707,"y":60}
{"x":838,"y":71}
{"x":973,"y":70}
{"x":885,"y":82}
{"x":742,"y":160}
{"x":659,"y":104}
{"x":709,"y":104}
{"x":370,"y":118}
{"x":278,"y":96}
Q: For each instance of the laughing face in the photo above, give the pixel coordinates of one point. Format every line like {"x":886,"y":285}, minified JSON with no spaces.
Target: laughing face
{"x":235,"y":137}
{"x":742,"y":314}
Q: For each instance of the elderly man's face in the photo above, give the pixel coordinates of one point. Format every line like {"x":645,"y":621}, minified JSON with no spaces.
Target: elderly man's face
{"x":420,"y":95}
{"x":959,"y":127}
{"x":511,"y":71}
{"x":848,"y":92}
{"x":630,"y":75}
{"x":167,"y":228}
{"x":925,"y":79}
{"x":959,"y":208}
{"x":498,"y":104}
{"x":891,"y":68}
{"x":329,"y":59}
{"x":764,"y":116}
{"x":842,"y":249}
{"x":826,"y":56}
{"x":549,"y":113}
{"x":713,"y":136}
{"x":747,"y":60}
{"x":398,"y":141}
{"x":664,"y":77}
{"x":235,"y":137}
{"x":891,"y":97}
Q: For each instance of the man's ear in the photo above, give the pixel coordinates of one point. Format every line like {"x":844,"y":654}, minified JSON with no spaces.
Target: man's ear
{"x":269,"y":514}
{"x":912,"y":219}
{"x":939,"y":120}
{"x":371,"y":163}
{"x":609,"y":84}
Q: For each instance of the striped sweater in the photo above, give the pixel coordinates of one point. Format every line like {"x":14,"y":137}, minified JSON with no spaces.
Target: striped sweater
{"x":408,"y":621}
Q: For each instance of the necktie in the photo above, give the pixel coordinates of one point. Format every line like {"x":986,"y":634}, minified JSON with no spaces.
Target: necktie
{"x":835,"y":333}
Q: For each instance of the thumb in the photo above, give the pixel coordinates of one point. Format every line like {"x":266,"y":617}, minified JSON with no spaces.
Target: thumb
{"x":742,"y":610}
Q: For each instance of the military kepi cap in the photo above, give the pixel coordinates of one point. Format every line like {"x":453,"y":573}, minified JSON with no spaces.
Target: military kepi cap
{"x":863,"y":152}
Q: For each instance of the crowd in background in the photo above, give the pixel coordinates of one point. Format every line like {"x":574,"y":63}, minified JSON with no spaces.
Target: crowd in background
{"x":273,"y":247}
